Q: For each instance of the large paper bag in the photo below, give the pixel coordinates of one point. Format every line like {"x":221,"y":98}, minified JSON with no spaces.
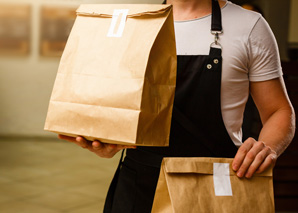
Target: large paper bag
{"x":117,"y":75}
{"x":209,"y":185}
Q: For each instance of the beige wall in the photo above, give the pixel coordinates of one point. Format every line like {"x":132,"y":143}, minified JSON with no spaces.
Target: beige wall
{"x":276,"y":12}
{"x":26,"y":82}
{"x":293,"y":31}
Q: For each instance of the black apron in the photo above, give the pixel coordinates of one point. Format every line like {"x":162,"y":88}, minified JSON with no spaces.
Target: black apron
{"x":197,"y":130}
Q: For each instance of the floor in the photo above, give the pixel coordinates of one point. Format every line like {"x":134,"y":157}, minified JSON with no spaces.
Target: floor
{"x":52,"y":176}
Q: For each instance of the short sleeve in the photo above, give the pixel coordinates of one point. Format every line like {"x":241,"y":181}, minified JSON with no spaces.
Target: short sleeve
{"x":264,"y":59}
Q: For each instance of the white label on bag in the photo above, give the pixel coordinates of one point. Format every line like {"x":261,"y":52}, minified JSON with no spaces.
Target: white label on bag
{"x":118,"y":32}
{"x":221,"y":179}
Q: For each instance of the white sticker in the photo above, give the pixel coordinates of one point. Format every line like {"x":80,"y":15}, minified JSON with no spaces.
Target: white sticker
{"x":221,"y":179}
{"x":118,"y":32}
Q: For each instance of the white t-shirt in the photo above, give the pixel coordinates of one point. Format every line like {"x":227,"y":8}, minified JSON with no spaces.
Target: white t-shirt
{"x":249,"y":52}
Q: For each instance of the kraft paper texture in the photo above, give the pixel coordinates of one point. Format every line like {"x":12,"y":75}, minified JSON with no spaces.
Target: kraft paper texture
{"x":189,"y":185}
{"x":116,"y":79}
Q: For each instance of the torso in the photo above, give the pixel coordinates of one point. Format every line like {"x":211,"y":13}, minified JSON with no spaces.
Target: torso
{"x":193,"y":37}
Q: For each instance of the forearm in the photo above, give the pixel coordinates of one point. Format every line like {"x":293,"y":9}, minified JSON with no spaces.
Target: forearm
{"x":278,"y":130}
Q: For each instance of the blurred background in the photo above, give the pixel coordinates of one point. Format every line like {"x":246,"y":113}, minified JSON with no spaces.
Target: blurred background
{"x":39,"y":173}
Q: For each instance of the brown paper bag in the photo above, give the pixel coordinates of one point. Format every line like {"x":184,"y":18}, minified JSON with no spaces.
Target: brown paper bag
{"x":117,"y":75}
{"x":209,"y":185}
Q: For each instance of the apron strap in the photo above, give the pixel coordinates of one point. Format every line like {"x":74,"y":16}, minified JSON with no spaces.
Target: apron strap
{"x":110,"y":196}
{"x":216,"y":17}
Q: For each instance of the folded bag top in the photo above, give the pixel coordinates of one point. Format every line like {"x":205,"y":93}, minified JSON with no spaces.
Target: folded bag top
{"x":107,"y":10}
{"x":202,"y":165}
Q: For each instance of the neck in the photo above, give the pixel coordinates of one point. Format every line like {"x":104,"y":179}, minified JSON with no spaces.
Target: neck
{"x":192,"y":9}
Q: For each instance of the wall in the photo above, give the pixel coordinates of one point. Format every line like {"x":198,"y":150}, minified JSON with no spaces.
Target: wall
{"x":293,"y":31}
{"x":26,"y":82}
{"x":278,"y":18}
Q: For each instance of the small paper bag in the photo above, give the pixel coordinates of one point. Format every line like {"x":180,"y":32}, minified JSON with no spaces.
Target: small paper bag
{"x":117,"y":75}
{"x":209,"y":185}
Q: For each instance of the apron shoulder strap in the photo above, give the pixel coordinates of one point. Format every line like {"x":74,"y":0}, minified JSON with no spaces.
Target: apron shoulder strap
{"x":216,"y":25}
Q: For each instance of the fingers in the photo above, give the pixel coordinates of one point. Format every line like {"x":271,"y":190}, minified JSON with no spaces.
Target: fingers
{"x":241,"y":153}
{"x":253,"y":156}
{"x":257,"y":160}
{"x":80,"y":141}
{"x":96,"y":145}
{"x":130,"y":147}
{"x":269,"y":161}
{"x":67,"y":138}
{"x":247,"y":154}
{"x":107,"y":150}
{"x":101,"y":149}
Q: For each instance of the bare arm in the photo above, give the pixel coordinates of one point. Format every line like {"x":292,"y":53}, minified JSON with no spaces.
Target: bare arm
{"x":278,"y":120}
{"x":278,"y":116}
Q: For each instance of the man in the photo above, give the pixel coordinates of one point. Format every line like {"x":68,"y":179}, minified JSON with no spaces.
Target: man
{"x":211,"y":93}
